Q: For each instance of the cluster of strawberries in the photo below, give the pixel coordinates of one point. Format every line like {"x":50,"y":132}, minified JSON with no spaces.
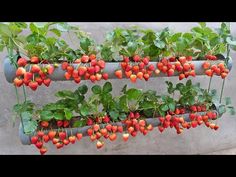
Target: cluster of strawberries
{"x":135,"y":68}
{"x":180,"y":65}
{"x":217,"y":69}
{"x":87,"y":67}
{"x":35,"y":76}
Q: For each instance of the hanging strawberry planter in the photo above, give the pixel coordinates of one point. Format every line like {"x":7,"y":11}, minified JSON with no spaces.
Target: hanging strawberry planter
{"x":136,"y":54}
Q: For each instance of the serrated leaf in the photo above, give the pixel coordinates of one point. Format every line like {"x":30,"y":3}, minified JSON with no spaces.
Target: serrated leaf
{"x":83,"y":89}
{"x":56,"y":32}
{"x":65,"y":94}
{"x":46,"y":115}
{"x":107,"y":87}
{"x":171,"y":106}
{"x":96,"y":89}
{"x":59,"y":116}
{"x":85,"y":43}
{"x":122,"y":116}
{"x":84,"y":110}
{"x":164,"y":107}
{"x":114,"y":115}
{"x":222,"y":109}
{"x":123,"y":103}
{"x":79,"y":123}
{"x":68,"y":114}
{"x":133,"y":94}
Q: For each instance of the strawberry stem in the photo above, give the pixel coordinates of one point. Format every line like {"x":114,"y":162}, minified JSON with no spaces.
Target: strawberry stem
{"x":222,"y":89}
{"x":24,"y":92}
{"x":209,"y":86}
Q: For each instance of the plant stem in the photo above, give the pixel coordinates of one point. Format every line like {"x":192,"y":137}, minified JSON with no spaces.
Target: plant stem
{"x":209,"y":86}
{"x":24,"y":93}
{"x":17,"y":95}
{"x":222,"y":89}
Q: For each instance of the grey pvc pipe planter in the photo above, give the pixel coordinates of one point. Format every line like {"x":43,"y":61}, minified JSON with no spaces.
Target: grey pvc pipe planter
{"x":25,"y":139}
{"x":58,"y":74}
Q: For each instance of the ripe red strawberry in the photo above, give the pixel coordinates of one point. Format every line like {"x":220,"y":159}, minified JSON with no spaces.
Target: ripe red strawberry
{"x":216,"y":127}
{"x":55,"y":140}
{"x":181,"y":119}
{"x":22,"y":62}
{"x":91,"y":70}
{"x":192,"y":116}
{"x":101,"y":63}
{"x":89,"y":121}
{"x":205,"y":118}
{"x":67,"y":75}
{"x":130,"y":129}
{"x":209,"y":72}
{"x":193,"y":108}
{"x":90,"y":131}
{"x":85,"y":59}
{"x":45,"y":138}
{"x":43,"y":150}
{"x":109,"y":127}
{"x":59,"y":145}
{"x":146,"y":60}
{"x":160,"y":65}
{"x":134,"y":121}
{"x":33,"y":85}
{"x":189,"y":58}
{"x":39,"y":80}
{"x":206,"y":65}
{"x":179,"y":131}
{"x":39,"y":144}
{"x":181,"y":76}
{"x":213,"y":115}
{"x":118,"y":74}
{"x":136,"y":58}
{"x":75,"y":74}
{"x":35,"y":68}
{"x":70,"y":69}
{"x":182,"y":60}
{"x":125,"y":59}
{"x":113,"y":137}
{"x":64,"y":65}
{"x":223,"y":75}
{"x":184,"y":124}
{"x":142,"y":123}
{"x":98,"y":135}
{"x":145,"y":131}
{"x":120,"y":129}
{"x":125,"y":137}
{"x":62,"y":135}
{"x":168,"y":117}
{"x":18,"y":82}
{"x":161,"y":119}
{"x":151,"y":67}
{"x":59,"y":123}
{"x":103,"y":131}
{"x":92,"y":78}
{"x":34,"y":139}
{"x":20,"y":71}
{"x":194,"y":124}
{"x":192,"y":73}
{"x":50,"y":69}
{"x":40,"y":133}
{"x":66,"y":123}
{"x":77,"y":61}
{"x":114,"y":128}
{"x":170,"y":72}
{"x":164,"y":69}
{"x":79,"y":136}
{"x":105,"y":76}
{"x":47,"y":82}
{"x":72,"y":139}
{"x":66,"y":142}
{"x":96,"y":127}
{"x":128,"y":74}
{"x":106,"y":119}
{"x":166,"y":124}
{"x":172,"y":59}
{"x":128,"y":68}
{"x":134,"y":133}
{"x":34,"y":59}
{"x":44,"y":124}
{"x":160,"y":128}
{"x":186,"y":66}
{"x":94,"y":63}
{"x":136,"y":115}
{"x":212,"y":125}
{"x":52,"y":134}
{"x":146,"y":76}
{"x":140,"y":75}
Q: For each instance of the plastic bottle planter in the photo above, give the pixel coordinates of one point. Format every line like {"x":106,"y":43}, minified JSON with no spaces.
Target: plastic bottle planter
{"x":110,"y":68}
{"x":25,"y":139}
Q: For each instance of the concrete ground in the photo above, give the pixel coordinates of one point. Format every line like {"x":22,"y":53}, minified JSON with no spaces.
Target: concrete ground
{"x":194,"y":141}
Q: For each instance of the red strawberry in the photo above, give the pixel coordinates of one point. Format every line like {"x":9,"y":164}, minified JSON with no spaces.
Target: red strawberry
{"x":182,"y":60}
{"x":216,"y":127}
{"x":20,"y":71}
{"x":55,"y":140}
{"x":98,"y":135}
{"x":130,"y":129}
{"x":43,"y":150}
{"x":193,"y":108}
{"x":18,"y":82}
{"x":35,"y":68}
{"x":151,"y":67}
{"x":62,"y":135}
{"x":192,"y":116}
{"x":181,"y":76}
{"x":101,"y":63}
{"x":212,"y":125}
{"x":22,"y":62}
{"x":50,"y":69}
{"x":64,"y":65}
{"x":114,"y":128}
{"x":45,"y":138}
{"x":91,"y":70}
{"x":59,"y":123}
{"x":125,"y":137}
{"x":85,"y":59}
{"x":103,"y":131}
{"x":89,"y":121}
{"x":161,"y":119}
{"x":168,"y":117}
{"x":44,"y":124}
{"x":142,"y":123}
{"x":90,"y":132}
{"x":96,"y":127}
{"x":133,"y":78}
{"x":99,"y":144}
{"x":106,"y":119}
{"x":161,"y":129}
{"x":209,"y":72}
{"x":33,"y":85}
{"x":223,"y":75}
{"x":186,"y":66}
{"x":136,"y":58}
{"x":146,"y":60}
{"x":72,"y":139}
{"x":67,"y":75}
{"x":92,"y":57}
{"x":66,"y":123}
{"x":189,"y":58}
{"x":75,"y":74}
{"x":59,"y":145}
{"x":150,"y":127}
{"x":52,"y":134}
{"x":79,"y":136}
{"x":109,"y":127}
{"x":126,"y":59}
{"x":39,"y":80}
{"x":98,"y":77}
{"x":34,"y":59}
{"x":118,"y":74}
{"x":160,"y":65}
{"x":39,"y":144}
{"x":92,"y":78}
{"x":134,"y":133}
{"x":34,"y":139}
{"x":70,"y":69}
{"x":66,"y":142}
{"x":194,"y":123}
{"x":47,"y":82}
{"x":170,"y":72}
{"x":120,"y":129}
{"x":146,"y":76}
{"x":40,"y":133}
